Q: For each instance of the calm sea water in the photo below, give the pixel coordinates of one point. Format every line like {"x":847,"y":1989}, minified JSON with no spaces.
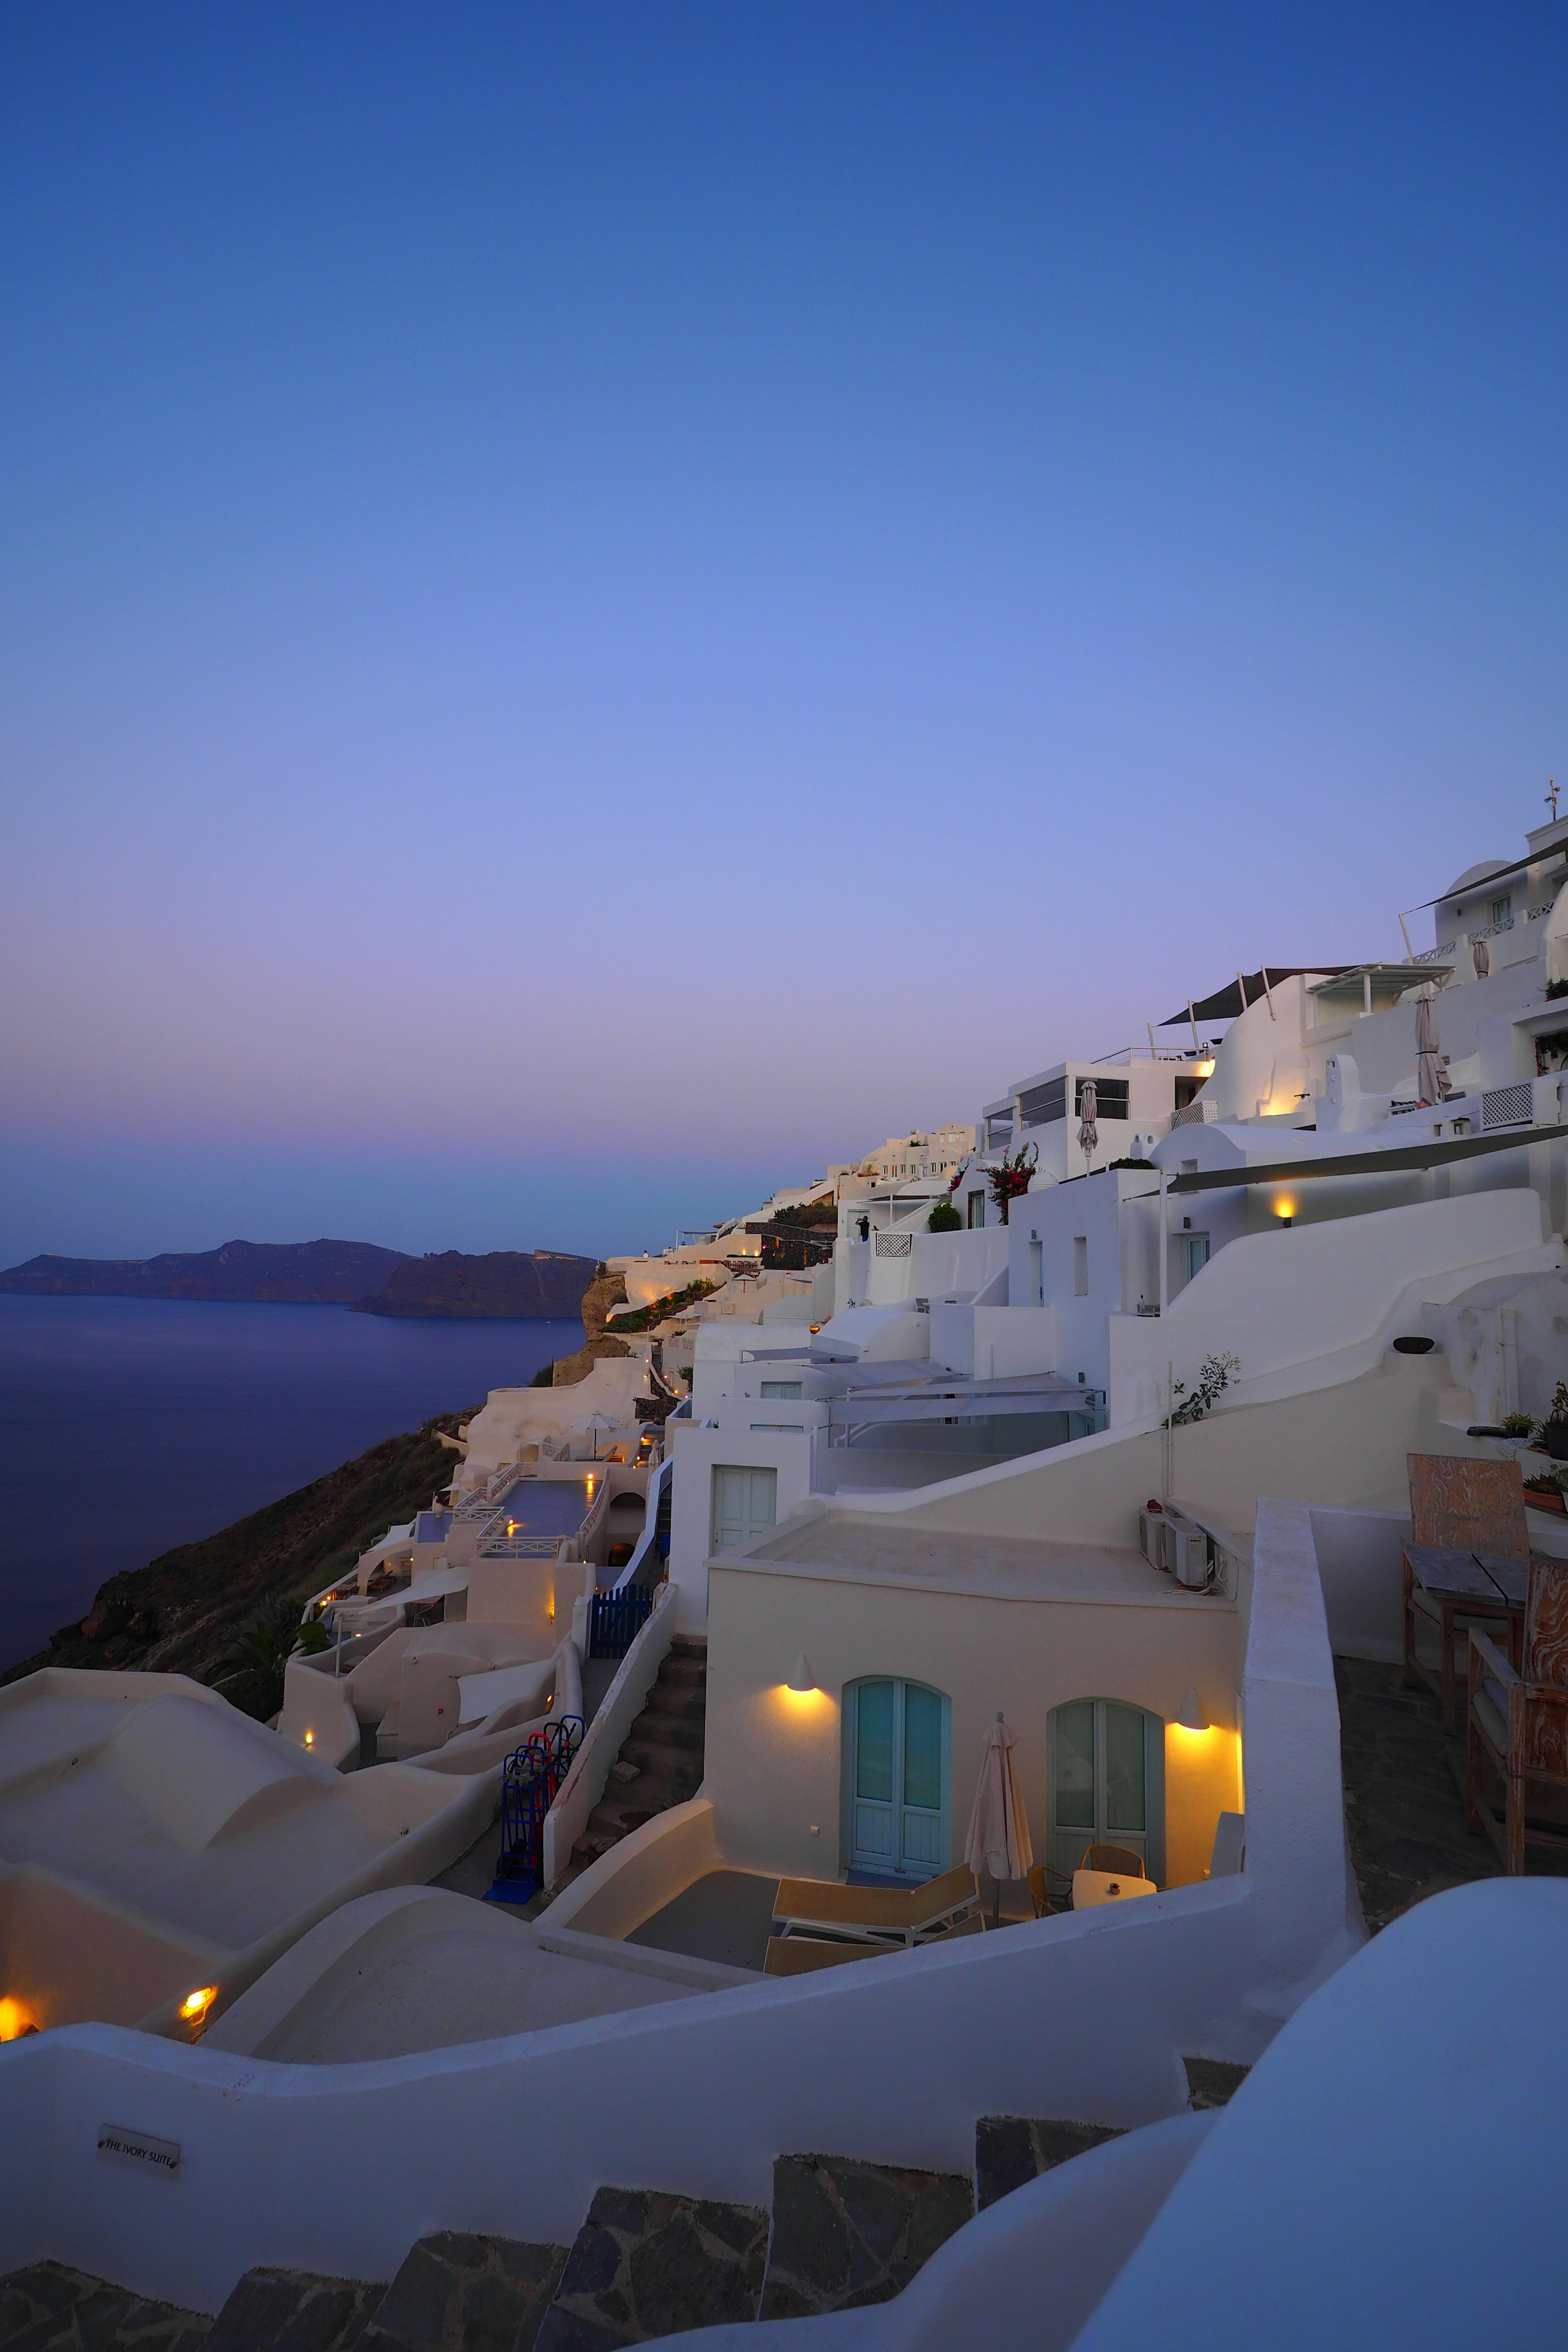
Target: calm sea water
{"x":128,"y":1425}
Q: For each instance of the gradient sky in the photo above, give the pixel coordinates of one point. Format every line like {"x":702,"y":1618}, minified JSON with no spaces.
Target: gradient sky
{"x":601,"y":604}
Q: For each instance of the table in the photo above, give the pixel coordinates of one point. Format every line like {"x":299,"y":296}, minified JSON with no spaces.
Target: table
{"x":1460,"y":1584}
{"x":1092,"y":1886}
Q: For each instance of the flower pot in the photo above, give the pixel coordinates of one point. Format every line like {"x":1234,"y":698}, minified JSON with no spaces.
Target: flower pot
{"x":1554,"y":1437}
{"x":1550,"y":1498}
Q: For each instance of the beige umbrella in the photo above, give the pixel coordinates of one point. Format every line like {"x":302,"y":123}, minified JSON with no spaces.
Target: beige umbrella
{"x":1481,"y":957}
{"x":998,"y":1837}
{"x":1431,"y":1075}
{"x":1088,"y":1104}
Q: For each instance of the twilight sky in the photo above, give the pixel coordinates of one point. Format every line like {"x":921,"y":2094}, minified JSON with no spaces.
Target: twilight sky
{"x":601,"y":604}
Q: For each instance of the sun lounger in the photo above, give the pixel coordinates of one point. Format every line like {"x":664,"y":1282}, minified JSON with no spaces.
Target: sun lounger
{"x":880,"y":1916}
{"x":797,"y":1956}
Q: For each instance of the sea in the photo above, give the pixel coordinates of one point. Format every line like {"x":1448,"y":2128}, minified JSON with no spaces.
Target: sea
{"x":129,"y":1425}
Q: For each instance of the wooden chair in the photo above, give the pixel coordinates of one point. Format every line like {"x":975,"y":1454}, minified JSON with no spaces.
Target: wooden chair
{"x":1519,"y":1721}
{"x":1464,"y":1505}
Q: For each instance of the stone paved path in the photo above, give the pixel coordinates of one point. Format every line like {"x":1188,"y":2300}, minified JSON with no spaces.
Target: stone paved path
{"x":1403,"y":1806}
{"x":459,"y":2292}
{"x":293,"y":2311}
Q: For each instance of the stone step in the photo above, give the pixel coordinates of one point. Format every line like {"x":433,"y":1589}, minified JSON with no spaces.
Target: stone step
{"x":294,"y":2311}
{"x":623,"y":1772}
{"x":648,"y":2263}
{"x":663,"y":1700}
{"x":49,"y":2308}
{"x":845,"y":2234}
{"x":1213,"y":2082}
{"x":687,"y":1674}
{"x":453,"y":2289}
{"x":1011,"y":2150}
{"x":667,"y":1730}
{"x":689,"y":1645}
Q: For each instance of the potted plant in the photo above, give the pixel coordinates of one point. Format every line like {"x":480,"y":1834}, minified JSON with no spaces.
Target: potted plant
{"x":1554,"y":1431}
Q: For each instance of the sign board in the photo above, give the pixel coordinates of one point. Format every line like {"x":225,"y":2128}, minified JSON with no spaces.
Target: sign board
{"x":116,"y":2145}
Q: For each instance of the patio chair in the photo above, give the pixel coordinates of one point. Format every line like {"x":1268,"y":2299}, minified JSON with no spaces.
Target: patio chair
{"x":1120,"y":1858}
{"x":1045,"y":1896}
{"x":1519,"y":1722}
{"x":1457,"y":1504}
{"x":877,"y":1915}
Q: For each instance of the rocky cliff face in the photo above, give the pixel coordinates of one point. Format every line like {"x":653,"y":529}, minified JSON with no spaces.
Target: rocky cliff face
{"x":504,"y":1283}
{"x":606,"y":1290}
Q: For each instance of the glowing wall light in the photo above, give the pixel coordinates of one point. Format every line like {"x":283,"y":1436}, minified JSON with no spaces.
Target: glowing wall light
{"x":802,"y":1679}
{"x":196,"y":2005}
{"x":1190,"y":1714}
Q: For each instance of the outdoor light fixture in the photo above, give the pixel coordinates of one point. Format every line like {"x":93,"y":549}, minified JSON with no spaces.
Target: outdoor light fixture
{"x":803,"y":1679}
{"x":1285,"y":1211}
{"x":196,"y":2005}
{"x":1189,"y":1714}
{"x":310,"y":1739}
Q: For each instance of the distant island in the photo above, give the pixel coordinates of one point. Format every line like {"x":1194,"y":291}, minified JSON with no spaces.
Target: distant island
{"x":506,"y":1282}
{"x":358,"y":1275}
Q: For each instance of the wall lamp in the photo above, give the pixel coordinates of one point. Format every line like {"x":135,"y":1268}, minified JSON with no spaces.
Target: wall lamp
{"x":803,"y":1679}
{"x":1189,"y":1714}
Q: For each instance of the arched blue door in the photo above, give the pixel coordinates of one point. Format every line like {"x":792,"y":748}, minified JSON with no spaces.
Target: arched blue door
{"x":899,"y":1774}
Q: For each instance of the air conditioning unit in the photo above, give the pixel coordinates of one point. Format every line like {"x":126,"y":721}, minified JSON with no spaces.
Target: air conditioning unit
{"x":1188,"y":1551}
{"x":1152,"y":1535}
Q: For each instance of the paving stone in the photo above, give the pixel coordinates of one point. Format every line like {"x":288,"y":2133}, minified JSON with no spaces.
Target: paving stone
{"x":294,"y":2311}
{"x":1011,"y":2150}
{"x":846,"y":2234}
{"x":457,"y":2292}
{"x":1213,"y":2082}
{"x":1404,"y":1815}
{"x":648,"y":2263}
{"x":48,"y":2307}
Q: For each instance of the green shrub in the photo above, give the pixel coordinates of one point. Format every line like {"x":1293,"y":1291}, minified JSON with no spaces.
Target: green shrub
{"x":944,"y":1219}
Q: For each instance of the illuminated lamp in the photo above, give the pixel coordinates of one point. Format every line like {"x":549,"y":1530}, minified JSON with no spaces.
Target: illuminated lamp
{"x":310,"y":1739}
{"x":1189,"y":1714}
{"x":1285,"y":1211}
{"x":196,"y":2005}
{"x":14,"y":2020}
{"x":803,"y":1679}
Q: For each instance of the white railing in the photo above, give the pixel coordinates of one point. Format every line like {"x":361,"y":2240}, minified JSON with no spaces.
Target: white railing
{"x":657,"y":1486}
{"x":1507,"y":1106}
{"x":622,"y":1703}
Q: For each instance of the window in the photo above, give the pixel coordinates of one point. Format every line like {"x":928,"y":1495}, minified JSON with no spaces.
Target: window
{"x":1038,"y":1106}
{"x":896,"y":1777}
{"x":1080,"y":1265}
{"x":1037,"y":1273}
{"x":1502,"y":908}
{"x":1107,"y":1767}
{"x":977,"y":1208}
{"x":745,"y":1504}
{"x":1110,"y":1098}
{"x":785,"y":1391}
{"x":1198,"y":1250}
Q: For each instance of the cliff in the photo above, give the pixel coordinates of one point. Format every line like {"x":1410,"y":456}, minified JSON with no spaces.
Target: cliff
{"x":290,"y":1274}
{"x":504,"y":1283}
{"x":181,"y":1612}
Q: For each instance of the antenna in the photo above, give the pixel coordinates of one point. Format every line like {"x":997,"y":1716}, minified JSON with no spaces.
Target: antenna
{"x":1551,"y":797}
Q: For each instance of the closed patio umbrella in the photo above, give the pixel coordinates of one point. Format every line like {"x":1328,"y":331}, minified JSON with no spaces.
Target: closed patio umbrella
{"x":998,"y":1837}
{"x":1481,"y":957}
{"x":1088,"y":1104}
{"x":1431,"y":1076}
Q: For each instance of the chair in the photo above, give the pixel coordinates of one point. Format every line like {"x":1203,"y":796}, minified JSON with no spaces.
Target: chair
{"x":799,"y":1956}
{"x":1519,"y":1721}
{"x":1114,"y":1857}
{"x":877,"y":1915}
{"x":1464,"y":1505}
{"x":1044,"y":1898}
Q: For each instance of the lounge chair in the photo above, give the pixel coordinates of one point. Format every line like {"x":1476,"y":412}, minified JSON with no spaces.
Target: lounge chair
{"x":1461,"y":1506}
{"x":797,"y":1956}
{"x":880,"y":1916}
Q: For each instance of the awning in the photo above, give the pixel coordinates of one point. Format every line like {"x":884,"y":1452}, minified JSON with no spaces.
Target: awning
{"x":1226,"y":1004}
{"x":1365,"y":1163}
{"x":1495,"y":874}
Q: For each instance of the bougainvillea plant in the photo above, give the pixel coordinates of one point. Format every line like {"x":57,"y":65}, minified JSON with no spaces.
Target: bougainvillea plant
{"x":1011,"y":1176}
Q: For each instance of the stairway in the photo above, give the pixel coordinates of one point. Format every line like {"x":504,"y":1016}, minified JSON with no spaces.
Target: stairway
{"x":660,"y":1763}
{"x":841,"y":2235}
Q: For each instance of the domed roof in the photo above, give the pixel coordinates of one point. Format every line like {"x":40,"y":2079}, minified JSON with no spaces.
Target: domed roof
{"x":1473,"y":874}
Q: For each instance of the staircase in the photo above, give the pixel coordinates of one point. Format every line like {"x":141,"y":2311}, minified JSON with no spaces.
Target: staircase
{"x":660,"y":1763}
{"x":841,"y":2235}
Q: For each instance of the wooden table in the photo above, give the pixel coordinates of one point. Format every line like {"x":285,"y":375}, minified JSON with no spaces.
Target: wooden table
{"x":1460,"y":1584}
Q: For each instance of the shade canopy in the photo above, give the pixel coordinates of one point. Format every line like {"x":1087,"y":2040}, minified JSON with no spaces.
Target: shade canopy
{"x":1225,"y":1003}
{"x":998,"y":1838}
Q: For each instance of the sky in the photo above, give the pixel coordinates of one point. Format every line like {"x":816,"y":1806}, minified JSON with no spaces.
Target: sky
{"x":602,"y":605}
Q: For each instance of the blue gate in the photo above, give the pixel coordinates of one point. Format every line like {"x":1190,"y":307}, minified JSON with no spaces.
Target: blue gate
{"x":617,"y":1619}
{"x":529,"y":1784}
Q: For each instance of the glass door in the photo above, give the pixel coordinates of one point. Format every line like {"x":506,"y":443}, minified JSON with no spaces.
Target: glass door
{"x":899,"y":1780}
{"x":1106,"y":1769}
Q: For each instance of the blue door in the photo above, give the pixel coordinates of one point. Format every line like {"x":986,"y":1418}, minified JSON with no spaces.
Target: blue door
{"x":898,"y":1778}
